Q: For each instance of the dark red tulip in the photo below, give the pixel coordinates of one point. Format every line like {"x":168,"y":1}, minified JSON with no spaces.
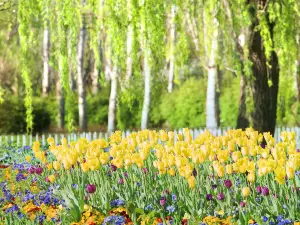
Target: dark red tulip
{"x":228,"y":183}
{"x":38,"y":170}
{"x":90,"y":188}
{"x":220,"y":196}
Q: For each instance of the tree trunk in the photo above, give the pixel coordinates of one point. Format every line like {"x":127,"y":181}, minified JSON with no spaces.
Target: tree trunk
{"x":242,"y":120}
{"x":72,"y":82}
{"x":297,"y":70}
{"x":172,"y":49}
{"x":211,"y":109}
{"x":46,"y":72}
{"x":129,"y":43}
{"x":112,"y":101}
{"x":95,"y":79}
{"x":61,"y":104}
{"x":265,"y":96}
{"x":81,"y":78}
{"x":147,"y":90}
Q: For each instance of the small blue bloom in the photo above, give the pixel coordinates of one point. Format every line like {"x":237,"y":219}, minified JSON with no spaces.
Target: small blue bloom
{"x":264,"y":219}
{"x":174,"y":197}
{"x":149,"y":208}
{"x":170,"y":208}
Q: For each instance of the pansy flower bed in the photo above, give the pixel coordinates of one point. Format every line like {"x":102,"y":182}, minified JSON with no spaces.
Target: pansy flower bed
{"x":149,"y":178}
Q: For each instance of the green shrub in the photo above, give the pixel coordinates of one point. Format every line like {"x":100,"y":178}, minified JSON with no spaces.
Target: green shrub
{"x":185,"y":107}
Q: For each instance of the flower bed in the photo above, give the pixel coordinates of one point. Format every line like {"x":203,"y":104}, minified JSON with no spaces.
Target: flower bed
{"x":146,"y":178}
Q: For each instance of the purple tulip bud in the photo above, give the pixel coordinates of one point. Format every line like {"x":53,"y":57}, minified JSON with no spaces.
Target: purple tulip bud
{"x":242,"y":204}
{"x":228,"y":183}
{"x":90,"y":188}
{"x":38,"y":170}
{"x":125,"y":174}
{"x":121,"y":181}
{"x":113,"y":167}
{"x":265,"y":191}
{"x":162,"y":201}
{"x":209,"y":197}
{"x":220,"y":196}
{"x":31,"y":170}
{"x":258,"y":189}
{"x":214,"y":186}
{"x":145,"y":170}
{"x":194,"y":173}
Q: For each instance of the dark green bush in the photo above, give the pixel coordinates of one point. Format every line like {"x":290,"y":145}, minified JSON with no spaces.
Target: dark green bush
{"x":185,"y":107}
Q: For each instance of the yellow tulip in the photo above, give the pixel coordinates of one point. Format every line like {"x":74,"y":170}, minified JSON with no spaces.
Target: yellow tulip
{"x":84,"y":167}
{"x":28,"y":158}
{"x":251,"y":177}
{"x":49,"y":166}
{"x":246,"y":191}
{"x":171,"y":171}
{"x":51,"y":178}
{"x":229,"y":169}
{"x":56,"y":165}
{"x":192,"y":182}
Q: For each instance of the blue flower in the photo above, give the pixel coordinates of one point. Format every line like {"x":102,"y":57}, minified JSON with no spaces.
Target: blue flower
{"x":149,"y":208}
{"x":74,"y":185}
{"x":116,"y":203}
{"x":279,"y":218}
{"x":116,"y":220}
{"x":170,"y":208}
{"x":12,"y":209}
{"x":264,"y":219}
{"x":174,"y":197}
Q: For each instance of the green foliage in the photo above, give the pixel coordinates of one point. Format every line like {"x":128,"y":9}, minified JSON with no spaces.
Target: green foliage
{"x":13,"y":116}
{"x":185,"y":107}
{"x":229,"y":100}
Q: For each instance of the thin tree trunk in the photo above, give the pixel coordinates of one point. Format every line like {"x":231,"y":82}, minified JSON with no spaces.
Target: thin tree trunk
{"x":242,"y":120}
{"x":112,"y":101}
{"x":80,"y":79}
{"x":95,"y":79}
{"x":297,"y":70}
{"x":147,"y":90}
{"x":46,"y":72}
{"x":172,"y":46}
{"x":61,"y":104}
{"x":129,"y":43}
{"x":211,"y":114}
{"x":72,"y":82}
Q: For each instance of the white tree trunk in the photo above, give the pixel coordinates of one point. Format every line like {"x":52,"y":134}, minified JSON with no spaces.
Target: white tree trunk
{"x":297,"y":70}
{"x":112,"y":101}
{"x":211,"y":115}
{"x":147,"y":90}
{"x":172,"y":49}
{"x":72,"y":82}
{"x":95,"y":79}
{"x":46,"y":72}
{"x":129,"y":43}
{"x":81,"y":79}
{"x":61,"y":104}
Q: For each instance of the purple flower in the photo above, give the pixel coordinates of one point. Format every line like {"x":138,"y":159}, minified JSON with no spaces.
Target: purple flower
{"x":113,"y":167}
{"x":145,"y":170}
{"x":90,"y":188}
{"x":174,"y":197}
{"x":209,"y":197}
{"x":258,"y":189}
{"x":265,"y":191}
{"x":126,"y":174}
{"x":31,"y":170}
{"x":220,"y":196}
{"x":228,"y":183}
{"x":170,"y":208}
{"x":214,"y":186}
{"x":121,"y":181}
{"x":242,"y":204}
{"x":38,"y":170}
{"x":116,"y":203}
{"x":20,"y":176}
{"x":162,"y":201}
{"x":194,"y":173}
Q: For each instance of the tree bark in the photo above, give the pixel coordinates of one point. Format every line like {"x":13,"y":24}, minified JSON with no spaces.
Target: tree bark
{"x":172,"y":49}
{"x":46,"y":71}
{"x":265,"y":96}
{"x":297,"y":70}
{"x":211,"y":109}
{"x":112,"y":101}
{"x":81,"y":78}
{"x":147,"y":90}
{"x":95,"y":79}
{"x":61,"y":104}
{"x":242,"y":120}
{"x":129,"y":43}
